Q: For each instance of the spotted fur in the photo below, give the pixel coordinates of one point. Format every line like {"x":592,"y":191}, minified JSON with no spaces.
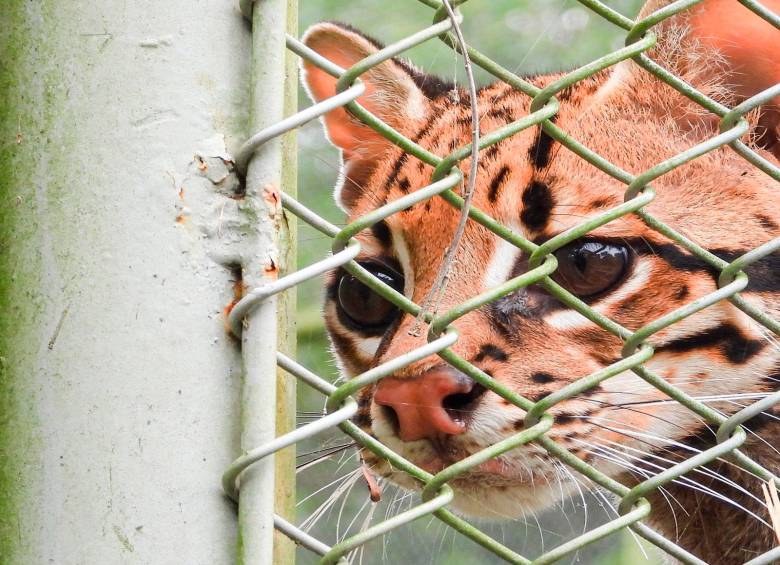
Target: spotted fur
{"x":531,"y":342}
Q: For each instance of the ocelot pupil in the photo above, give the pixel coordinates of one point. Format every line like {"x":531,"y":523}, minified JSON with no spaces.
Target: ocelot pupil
{"x":588,"y":268}
{"x":361,"y":304}
{"x":580,"y":261}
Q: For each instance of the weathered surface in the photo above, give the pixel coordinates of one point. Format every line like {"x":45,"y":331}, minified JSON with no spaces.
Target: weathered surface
{"x":118,"y":383}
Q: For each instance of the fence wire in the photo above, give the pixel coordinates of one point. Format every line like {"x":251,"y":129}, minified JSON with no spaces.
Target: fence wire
{"x":340,"y":405}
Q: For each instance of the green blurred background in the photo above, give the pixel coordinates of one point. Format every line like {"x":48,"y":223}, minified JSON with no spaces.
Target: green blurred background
{"x":528,"y":37}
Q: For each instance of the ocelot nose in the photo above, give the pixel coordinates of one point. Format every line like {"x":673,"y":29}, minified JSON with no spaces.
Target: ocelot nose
{"x":439,"y":402}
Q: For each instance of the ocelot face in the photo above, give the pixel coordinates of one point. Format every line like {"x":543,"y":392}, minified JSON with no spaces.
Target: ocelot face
{"x":529,"y":341}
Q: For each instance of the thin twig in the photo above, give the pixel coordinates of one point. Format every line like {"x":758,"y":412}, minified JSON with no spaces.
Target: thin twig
{"x":374,"y":491}
{"x":436,"y":293}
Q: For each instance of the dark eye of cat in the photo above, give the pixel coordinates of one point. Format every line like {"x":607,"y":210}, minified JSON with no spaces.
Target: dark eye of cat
{"x":587,"y":268}
{"x":363,"y":306}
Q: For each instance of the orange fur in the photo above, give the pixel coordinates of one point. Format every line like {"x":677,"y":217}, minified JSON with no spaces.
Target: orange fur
{"x":635,"y":122}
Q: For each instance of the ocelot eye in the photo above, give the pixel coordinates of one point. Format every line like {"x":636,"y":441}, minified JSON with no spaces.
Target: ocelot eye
{"x":364,"y":307}
{"x":587,"y":268}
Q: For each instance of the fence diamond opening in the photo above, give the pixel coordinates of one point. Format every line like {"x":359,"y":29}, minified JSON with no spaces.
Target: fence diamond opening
{"x":340,"y":405}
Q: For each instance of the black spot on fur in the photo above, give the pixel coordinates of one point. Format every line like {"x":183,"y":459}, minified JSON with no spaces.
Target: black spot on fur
{"x":537,"y":204}
{"x":734,"y":345}
{"x":464,"y":121}
{"x":503,"y":114}
{"x":542,"y":378}
{"x":426,"y":128}
{"x":491,"y":151}
{"x":404,"y":184}
{"x":497,"y":182}
{"x":397,"y":166}
{"x":539,"y":154}
{"x":382,"y":233}
{"x":491,"y":351}
{"x":766,"y":222}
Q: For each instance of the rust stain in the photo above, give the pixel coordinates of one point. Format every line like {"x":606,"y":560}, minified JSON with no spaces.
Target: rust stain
{"x":271,"y":195}
{"x":202,"y":166}
{"x":239,"y":288}
{"x":181,"y":193}
{"x":181,"y":219}
{"x":271,"y":269}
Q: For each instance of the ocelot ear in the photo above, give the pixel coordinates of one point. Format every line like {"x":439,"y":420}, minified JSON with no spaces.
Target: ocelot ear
{"x":725,"y":50}
{"x":392,"y":94}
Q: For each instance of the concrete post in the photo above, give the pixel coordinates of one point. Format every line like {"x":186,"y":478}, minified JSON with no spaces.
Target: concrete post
{"x":119,"y":385}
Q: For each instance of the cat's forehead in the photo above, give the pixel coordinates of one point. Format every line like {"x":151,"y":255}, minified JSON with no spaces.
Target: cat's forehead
{"x":527,"y":180}
{"x":537,"y":186}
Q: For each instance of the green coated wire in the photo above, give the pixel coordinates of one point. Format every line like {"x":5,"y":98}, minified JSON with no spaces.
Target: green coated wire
{"x":435,"y":490}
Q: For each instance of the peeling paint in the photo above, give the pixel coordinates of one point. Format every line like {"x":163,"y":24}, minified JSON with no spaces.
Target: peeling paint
{"x":154,"y":43}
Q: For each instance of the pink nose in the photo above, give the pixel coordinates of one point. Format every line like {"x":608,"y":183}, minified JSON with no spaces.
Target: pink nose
{"x":434,"y":404}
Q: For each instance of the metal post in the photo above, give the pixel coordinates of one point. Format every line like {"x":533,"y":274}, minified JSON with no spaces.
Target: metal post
{"x":118,"y":383}
{"x":260,"y":265}
{"x":284,"y":547}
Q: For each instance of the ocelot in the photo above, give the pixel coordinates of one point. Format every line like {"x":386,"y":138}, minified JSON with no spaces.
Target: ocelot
{"x":435,"y":415}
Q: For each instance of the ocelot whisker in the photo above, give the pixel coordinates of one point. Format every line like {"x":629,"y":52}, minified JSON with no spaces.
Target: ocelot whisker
{"x":346,"y":484}
{"x":635,"y":470}
{"x":597,"y":492}
{"x":300,"y":467}
{"x":695,"y":485}
{"x":636,"y":411}
{"x":328,"y":449}
{"x":568,"y":474}
{"x":703,"y":470}
{"x":703,"y":399}
{"x":680,"y":445}
{"x":333,"y":482}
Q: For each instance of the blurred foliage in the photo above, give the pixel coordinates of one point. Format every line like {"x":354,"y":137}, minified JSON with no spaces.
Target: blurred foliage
{"x":528,"y":37}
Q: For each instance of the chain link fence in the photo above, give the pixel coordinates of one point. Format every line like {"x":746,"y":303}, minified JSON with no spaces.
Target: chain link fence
{"x":436,"y":493}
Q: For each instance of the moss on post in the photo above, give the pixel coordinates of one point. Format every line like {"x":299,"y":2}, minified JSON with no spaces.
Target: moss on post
{"x":20,"y":265}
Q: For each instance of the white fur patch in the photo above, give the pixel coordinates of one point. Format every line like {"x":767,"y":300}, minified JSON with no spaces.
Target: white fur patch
{"x":501,"y":263}
{"x":405,"y":259}
{"x":620,"y":75}
{"x":368,"y":346}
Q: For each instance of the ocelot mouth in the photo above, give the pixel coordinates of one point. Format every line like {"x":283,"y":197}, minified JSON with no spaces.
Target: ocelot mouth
{"x":445,"y":454}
